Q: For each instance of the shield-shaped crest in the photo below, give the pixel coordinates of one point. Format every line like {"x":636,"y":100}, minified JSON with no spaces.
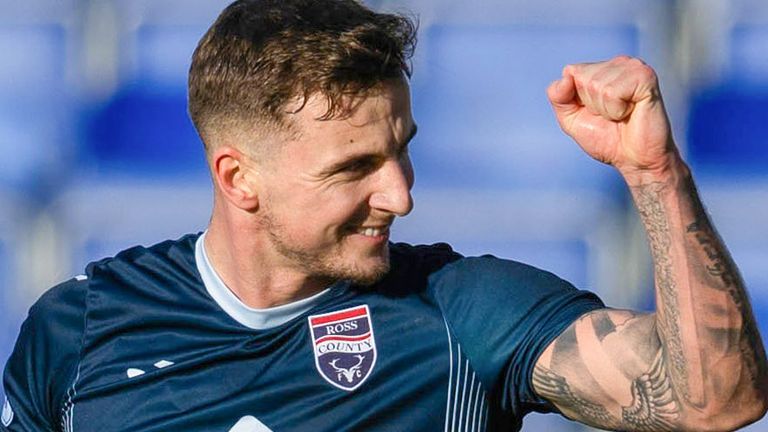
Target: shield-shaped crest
{"x":344,"y":346}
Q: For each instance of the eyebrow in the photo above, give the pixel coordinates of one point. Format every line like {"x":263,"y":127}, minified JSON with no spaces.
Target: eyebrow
{"x":341,"y":164}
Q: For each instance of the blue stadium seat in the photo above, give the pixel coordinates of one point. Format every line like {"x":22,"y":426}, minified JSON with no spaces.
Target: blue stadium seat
{"x":143,"y":131}
{"x":7,"y":329}
{"x":144,"y":177}
{"x":33,"y":103}
{"x":100,"y":219}
{"x":164,"y":53}
{"x":748,"y":62}
{"x":12,"y":311}
{"x":726,"y":131}
{"x":550,"y":422}
{"x":727,"y":121}
{"x":480,"y":102}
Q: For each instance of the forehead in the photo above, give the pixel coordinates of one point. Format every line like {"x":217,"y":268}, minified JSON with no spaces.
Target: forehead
{"x":384,"y":110}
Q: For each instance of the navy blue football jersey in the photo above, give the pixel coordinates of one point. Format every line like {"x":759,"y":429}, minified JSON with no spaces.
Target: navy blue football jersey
{"x":152,"y":340}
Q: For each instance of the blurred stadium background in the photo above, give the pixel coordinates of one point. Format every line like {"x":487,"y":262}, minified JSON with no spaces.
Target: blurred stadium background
{"x":96,"y":151}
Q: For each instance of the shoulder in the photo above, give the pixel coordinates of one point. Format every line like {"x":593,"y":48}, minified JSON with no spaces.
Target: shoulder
{"x":127,"y":283}
{"x":141,"y":274}
{"x":140,"y":284}
{"x":44,"y":360}
{"x":490,"y":273}
{"x":445,"y":270}
{"x":69,"y":298}
{"x":489,"y":286}
{"x":66,"y":299}
{"x":167,"y":255}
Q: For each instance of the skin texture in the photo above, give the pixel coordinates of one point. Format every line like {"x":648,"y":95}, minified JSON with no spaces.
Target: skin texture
{"x":288,"y":223}
{"x":695,"y":364}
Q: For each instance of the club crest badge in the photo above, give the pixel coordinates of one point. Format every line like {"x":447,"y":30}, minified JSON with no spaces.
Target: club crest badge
{"x":344,"y":346}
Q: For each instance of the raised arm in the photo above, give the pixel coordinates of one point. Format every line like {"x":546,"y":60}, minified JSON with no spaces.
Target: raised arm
{"x":698,"y":362}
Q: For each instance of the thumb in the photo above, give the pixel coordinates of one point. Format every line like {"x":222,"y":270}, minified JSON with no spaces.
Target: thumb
{"x":562,"y":91}
{"x":563,"y":97}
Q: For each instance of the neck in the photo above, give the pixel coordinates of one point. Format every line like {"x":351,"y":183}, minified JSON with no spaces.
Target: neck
{"x":245,"y":262}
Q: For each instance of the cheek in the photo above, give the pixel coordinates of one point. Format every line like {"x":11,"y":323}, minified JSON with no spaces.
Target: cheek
{"x":325,"y":213}
{"x":314,"y":213}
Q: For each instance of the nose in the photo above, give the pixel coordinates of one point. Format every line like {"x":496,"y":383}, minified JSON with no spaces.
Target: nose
{"x":393,"y":193}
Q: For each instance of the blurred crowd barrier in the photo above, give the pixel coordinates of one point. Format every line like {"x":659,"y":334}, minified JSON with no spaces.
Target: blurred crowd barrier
{"x":97,"y":152}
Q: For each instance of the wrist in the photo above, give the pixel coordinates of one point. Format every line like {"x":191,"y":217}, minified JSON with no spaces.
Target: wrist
{"x":671,"y":168}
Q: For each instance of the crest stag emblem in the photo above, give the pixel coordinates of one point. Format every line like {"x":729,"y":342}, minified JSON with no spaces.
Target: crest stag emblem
{"x":344,"y":346}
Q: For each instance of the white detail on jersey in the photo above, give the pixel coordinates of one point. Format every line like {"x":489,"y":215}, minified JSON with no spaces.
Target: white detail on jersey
{"x":249,"y":424}
{"x":68,"y":410}
{"x":465,"y":408}
{"x":163,"y":364}
{"x":133,"y":372}
{"x":81,"y":278}
{"x":450,"y":377}
{"x":456,"y":390}
{"x":483,"y":410}
{"x":7,"y":416}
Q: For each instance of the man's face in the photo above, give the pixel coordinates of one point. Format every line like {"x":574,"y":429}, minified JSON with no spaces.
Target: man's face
{"x":333,"y":191}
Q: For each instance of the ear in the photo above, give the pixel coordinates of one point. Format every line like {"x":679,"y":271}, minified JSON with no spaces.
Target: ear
{"x":234,"y":178}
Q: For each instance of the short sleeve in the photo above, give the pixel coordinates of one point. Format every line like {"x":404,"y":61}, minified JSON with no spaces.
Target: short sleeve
{"x":43,"y":363}
{"x":504,"y":314}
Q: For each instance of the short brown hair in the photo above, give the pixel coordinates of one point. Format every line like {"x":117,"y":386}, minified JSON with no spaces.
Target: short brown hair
{"x":261,"y":54}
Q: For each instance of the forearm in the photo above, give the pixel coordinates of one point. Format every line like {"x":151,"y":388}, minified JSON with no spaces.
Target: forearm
{"x":710,"y":343}
{"x":696,"y":364}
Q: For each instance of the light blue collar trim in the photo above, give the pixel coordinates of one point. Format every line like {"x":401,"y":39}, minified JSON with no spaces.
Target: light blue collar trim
{"x":257,"y":319}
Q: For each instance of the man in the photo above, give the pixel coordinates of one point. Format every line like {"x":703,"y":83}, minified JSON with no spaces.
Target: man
{"x":293,"y":312}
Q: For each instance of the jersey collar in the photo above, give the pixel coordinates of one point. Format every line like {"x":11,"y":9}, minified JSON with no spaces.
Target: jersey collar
{"x":257,"y":319}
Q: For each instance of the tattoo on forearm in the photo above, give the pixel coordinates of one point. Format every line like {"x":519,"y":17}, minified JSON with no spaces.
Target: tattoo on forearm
{"x":720,"y":265}
{"x":722,"y":269}
{"x":655,"y":218}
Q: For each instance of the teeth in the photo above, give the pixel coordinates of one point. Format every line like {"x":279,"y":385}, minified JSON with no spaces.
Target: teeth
{"x":371,"y":232}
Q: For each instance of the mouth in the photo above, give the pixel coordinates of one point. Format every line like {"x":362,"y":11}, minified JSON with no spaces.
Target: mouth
{"x":371,"y":234}
{"x":377,"y":231}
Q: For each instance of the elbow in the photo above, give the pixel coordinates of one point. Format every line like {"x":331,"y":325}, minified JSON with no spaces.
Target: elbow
{"x":755,"y":411}
{"x":734,"y":401}
{"x":735,"y":416}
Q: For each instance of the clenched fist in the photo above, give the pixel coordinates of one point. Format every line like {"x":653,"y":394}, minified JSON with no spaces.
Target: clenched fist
{"x":614,"y":111}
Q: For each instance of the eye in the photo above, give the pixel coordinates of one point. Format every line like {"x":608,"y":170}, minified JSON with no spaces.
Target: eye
{"x":360,"y":166}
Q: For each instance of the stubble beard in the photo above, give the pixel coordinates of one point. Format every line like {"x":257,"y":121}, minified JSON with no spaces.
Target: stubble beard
{"x":329,"y":265}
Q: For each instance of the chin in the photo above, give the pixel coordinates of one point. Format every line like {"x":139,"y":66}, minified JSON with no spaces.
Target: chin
{"x":366,"y":270}
{"x":371,"y":276}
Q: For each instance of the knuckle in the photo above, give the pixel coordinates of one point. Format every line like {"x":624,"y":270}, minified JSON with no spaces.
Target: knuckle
{"x":622,"y":58}
{"x":647,"y":73}
{"x":610,"y":92}
{"x":594,"y":87}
